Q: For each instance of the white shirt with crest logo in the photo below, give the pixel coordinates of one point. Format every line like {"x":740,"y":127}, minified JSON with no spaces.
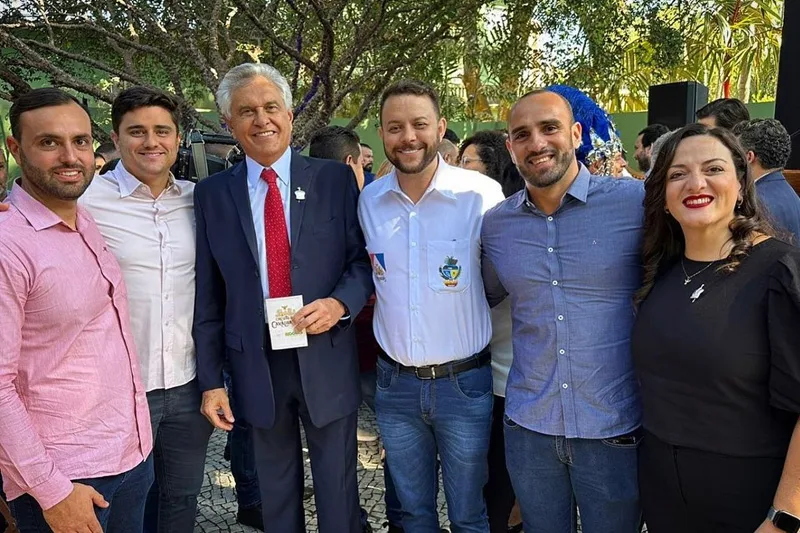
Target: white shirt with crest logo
{"x":431,"y":307}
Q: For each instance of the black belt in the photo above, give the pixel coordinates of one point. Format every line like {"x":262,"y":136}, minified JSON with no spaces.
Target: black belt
{"x":440,"y":371}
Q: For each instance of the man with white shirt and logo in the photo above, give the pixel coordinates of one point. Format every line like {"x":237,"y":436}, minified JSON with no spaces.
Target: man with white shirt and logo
{"x":422,"y":226}
{"x":147,"y":219}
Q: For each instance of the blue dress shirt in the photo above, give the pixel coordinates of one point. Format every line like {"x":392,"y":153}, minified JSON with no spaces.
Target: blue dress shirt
{"x":257,"y":189}
{"x":571,"y":277}
{"x":781,"y":203}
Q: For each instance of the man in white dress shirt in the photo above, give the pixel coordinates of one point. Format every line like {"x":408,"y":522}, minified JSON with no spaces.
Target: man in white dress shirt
{"x":146,"y":217}
{"x":422,"y":226}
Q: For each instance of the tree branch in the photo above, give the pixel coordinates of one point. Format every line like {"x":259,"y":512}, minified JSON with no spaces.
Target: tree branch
{"x":99,"y":65}
{"x":59,"y":76}
{"x":267,"y":31}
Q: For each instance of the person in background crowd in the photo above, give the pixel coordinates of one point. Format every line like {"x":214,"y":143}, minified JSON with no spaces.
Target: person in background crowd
{"x":566,"y":251}
{"x":339,"y":144}
{"x":275,"y":225}
{"x":146,"y":218}
{"x":486,"y":152}
{"x":656,"y":148}
{"x":768,"y":147}
{"x":385,"y":168}
{"x":448,"y":151}
{"x":422,"y":224}
{"x":108,"y":151}
{"x":723,"y":113}
{"x":99,"y":162}
{"x":644,"y":145}
{"x":715,"y":347}
{"x":367,"y":157}
{"x":75,"y":440}
{"x":600,"y":150}
{"x":451,"y":136}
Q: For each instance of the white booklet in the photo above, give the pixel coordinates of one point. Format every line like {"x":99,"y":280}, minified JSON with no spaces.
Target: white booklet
{"x":279,"y":321}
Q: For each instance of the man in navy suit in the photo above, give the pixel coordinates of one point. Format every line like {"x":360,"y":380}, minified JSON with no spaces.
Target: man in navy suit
{"x":253,"y":244}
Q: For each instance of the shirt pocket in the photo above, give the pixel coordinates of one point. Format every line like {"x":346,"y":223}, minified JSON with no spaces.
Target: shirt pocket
{"x":449,"y":265}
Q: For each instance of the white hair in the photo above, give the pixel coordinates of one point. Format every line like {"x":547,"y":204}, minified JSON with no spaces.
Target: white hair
{"x":656,"y":147}
{"x":241,"y":75}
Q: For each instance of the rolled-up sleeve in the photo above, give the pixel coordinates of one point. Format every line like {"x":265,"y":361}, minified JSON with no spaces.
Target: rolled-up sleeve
{"x":783,"y":304}
{"x":23,"y":458}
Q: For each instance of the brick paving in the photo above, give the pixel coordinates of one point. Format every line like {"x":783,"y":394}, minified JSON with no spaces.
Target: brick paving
{"x":217,"y":506}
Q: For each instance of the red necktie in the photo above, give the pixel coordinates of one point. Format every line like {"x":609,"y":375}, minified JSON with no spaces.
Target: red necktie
{"x":277,"y":239}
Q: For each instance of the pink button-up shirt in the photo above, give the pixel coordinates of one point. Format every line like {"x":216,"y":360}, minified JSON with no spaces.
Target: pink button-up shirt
{"x":72,"y":404}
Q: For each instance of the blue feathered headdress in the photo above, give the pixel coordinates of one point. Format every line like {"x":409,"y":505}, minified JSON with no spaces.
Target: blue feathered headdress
{"x":600,"y":137}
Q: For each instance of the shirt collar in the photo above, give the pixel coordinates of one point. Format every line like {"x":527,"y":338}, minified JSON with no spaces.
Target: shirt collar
{"x":37,"y":215}
{"x":282,"y":167}
{"x":128,"y":183}
{"x":438,"y":183}
{"x":578,"y":190}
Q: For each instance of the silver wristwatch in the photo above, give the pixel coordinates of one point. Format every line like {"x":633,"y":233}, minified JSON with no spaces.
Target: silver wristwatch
{"x":783,"y":520}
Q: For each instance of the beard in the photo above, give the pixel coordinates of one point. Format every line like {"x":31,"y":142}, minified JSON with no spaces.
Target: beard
{"x":368,"y":168}
{"x":643,"y":162}
{"x":546,"y":178}
{"x":428,"y":155}
{"x":46,"y":182}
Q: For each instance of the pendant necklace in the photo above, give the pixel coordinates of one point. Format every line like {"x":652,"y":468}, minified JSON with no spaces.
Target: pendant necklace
{"x":687,"y":278}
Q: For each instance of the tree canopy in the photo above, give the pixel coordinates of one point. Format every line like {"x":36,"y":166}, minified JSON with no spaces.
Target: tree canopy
{"x":338,"y":55}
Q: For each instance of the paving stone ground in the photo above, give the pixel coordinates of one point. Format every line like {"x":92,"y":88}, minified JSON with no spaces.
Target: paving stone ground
{"x":217,"y":506}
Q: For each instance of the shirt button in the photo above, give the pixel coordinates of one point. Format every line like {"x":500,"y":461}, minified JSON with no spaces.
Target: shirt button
{"x":166,"y":296}
{"x":413,"y":275}
{"x":412,"y":214}
{"x":413,"y":244}
{"x":549,"y":219}
{"x":562,"y":352}
{"x":561,"y":317}
{"x":550,"y":250}
{"x":555,"y":282}
{"x":416,"y":339}
{"x":564,"y":386}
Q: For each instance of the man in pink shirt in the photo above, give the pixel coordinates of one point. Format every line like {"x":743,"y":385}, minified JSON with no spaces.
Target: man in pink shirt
{"x":75,"y":439}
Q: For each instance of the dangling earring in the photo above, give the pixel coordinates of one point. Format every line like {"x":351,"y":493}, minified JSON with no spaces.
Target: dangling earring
{"x":666,"y":210}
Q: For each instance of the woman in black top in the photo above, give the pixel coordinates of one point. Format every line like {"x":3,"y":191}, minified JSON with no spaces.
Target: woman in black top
{"x":717,"y":347}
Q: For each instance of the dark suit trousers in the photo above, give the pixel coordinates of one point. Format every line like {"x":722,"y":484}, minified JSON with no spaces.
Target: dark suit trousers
{"x":279,"y":459}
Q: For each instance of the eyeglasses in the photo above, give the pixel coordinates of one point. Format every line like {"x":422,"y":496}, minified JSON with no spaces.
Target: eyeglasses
{"x":467,"y":160}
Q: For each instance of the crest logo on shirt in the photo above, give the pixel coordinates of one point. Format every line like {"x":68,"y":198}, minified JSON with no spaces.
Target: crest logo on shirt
{"x":378,"y":266}
{"x":450,"y":271}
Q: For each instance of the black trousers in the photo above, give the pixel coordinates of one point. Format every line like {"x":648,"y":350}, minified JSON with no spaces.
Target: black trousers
{"x":498,"y":492}
{"x":279,"y":460}
{"x":684,"y":490}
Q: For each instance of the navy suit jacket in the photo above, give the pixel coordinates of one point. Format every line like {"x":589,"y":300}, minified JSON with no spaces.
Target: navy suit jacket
{"x":329,"y":259}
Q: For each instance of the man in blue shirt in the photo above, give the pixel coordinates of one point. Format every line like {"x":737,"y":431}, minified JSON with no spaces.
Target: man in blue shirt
{"x":768,"y":147}
{"x":566,"y":251}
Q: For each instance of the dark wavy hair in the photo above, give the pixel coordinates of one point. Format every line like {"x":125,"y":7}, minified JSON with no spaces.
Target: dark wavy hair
{"x":663,"y":238}
{"x":491,"y":148}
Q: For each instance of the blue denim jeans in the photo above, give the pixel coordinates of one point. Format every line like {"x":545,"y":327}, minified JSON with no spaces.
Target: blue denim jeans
{"x":180,"y":442}
{"x":126,"y":493}
{"x":552,"y":474}
{"x":394,"y":512}
{"x":243,"y":458}
{"x":450,"y":416}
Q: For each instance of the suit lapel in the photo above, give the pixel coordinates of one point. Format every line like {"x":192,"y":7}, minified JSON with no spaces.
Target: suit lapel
{"x":241,"y":199}
{"x":301,"y":180}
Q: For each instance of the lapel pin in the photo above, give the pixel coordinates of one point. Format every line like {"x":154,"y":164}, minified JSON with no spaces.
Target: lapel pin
{"x":299,"y":194}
